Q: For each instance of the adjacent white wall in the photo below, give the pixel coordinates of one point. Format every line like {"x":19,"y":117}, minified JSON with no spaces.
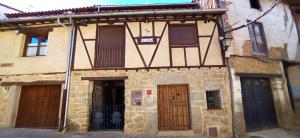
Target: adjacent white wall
{"x":279,"y":26}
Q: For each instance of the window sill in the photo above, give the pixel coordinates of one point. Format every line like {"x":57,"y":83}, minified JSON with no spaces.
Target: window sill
{"x":33,"y":56}
{"x":214,"y":109}
{"x":259,"y":55}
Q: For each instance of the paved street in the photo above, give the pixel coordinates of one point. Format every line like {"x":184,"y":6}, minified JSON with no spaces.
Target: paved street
{"x":46,"y":133}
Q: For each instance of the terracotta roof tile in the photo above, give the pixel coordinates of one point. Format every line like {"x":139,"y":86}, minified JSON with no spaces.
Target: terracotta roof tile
{"x":105,"y":9}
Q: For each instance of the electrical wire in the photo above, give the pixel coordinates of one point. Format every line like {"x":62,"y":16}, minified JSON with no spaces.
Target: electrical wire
{"x":250,"y":22}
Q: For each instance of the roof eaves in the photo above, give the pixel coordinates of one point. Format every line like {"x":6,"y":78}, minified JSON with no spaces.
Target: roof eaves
{"x":114,"y":14}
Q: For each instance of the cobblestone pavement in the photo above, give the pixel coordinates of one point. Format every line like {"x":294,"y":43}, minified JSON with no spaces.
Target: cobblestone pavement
{"x":50,"y":133}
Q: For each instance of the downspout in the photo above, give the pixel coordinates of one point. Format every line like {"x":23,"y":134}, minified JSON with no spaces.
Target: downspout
{"x":234,"y":125}
{"x":227,"y":56}
{"x":68,"y":70}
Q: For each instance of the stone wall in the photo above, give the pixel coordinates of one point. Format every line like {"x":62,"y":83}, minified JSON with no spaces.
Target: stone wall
{"x":9,"y":95}
{"x":143,"y":119}
{"x":264,"y":66}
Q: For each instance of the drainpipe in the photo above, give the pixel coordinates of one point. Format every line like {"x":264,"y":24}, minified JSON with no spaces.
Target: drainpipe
{"x":68,"y":71}
{"x":234,"y":125}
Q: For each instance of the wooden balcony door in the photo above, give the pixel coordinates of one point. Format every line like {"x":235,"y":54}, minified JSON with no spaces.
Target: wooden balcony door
{"x":110,"y":49}
{"x":173,"y":107}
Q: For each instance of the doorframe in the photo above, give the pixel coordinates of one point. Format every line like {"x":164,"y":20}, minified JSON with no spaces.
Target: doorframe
{"x":189,"y":107}
{"x":91,"y":91}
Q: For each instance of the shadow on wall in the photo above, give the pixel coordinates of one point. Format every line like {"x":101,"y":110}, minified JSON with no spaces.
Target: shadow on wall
{"x":297,"y":58}
{"x":73,"y":126}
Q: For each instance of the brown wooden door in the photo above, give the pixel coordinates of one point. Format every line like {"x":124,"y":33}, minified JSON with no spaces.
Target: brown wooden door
{"x":39,"y":106}
{"x":173,"y":107}
{"x":110,"y":51}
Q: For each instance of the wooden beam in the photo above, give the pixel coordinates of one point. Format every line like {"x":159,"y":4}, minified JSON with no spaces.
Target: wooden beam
{"x":157,"y":45}
{"x":74,"y":47}
{"x":89,"y":39}
{"x":199,"y":49}
{"x":104,"y":78}
{"x":148,"y":68}
{"x":258,"y":75}
{"x":136,"y":45}
{"x":43,"y":82}
{"x":185,"y":59}
{"x":85,"y":47}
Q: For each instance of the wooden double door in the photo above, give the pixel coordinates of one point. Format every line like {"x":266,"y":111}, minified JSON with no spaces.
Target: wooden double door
{"x":258,"y":103}
{"x":173,"y":107}
{"x":39,"y":107}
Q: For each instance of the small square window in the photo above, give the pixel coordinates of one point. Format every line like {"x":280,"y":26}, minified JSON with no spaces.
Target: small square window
{"x":36,"y":46}
{"x":255,"y":4}
{"x":213,"y":99}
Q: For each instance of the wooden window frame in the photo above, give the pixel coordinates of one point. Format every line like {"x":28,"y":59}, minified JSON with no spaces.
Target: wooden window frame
{"x":254,"y":41}
{"x":28,"y":38}
{"x":195,"y":44}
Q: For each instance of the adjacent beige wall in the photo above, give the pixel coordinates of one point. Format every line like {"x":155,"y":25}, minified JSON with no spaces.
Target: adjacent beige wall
{"x":12,"y":44}
{"x":9,"y":99}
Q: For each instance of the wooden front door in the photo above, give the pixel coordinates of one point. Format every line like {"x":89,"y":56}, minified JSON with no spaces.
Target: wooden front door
{"x":39,"y":106}
{"x":173,"y":107}
{"x":259,"y":110}
{"x":110,"y":51}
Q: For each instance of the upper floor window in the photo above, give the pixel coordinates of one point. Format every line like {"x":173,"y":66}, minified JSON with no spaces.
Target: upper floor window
{"x":36,"y":42}
{"x":36,"y":46}
{"x":183,"y":35}
{"x":258,"y":40}
{"x":255,"y":4}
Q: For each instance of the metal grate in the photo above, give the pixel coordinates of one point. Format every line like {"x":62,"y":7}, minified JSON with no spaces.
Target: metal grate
{"x":108,"y":117}
{"x":213,"y":99}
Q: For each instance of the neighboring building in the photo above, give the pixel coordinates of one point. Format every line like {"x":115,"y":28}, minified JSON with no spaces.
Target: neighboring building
{"x":7,"y":9}
{"x":155,"y":69}
{"x":259,"y":57}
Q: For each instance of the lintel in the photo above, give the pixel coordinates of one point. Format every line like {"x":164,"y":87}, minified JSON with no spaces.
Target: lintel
{"x":104,"y":78}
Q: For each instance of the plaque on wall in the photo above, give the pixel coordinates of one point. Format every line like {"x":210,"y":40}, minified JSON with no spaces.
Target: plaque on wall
{"x":136,"y":97}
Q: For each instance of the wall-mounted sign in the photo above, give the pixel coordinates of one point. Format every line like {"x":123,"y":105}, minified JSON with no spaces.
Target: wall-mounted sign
{"x":136,"y":97}
{"x":147,"y":40}
{"x":149,"y":92}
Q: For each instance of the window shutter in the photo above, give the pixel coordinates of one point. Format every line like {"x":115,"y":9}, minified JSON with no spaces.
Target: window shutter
{"x":182,"y":35}
{"x":258,"y":40}
{"x":110,"y":50}
{"x":252,"y":38}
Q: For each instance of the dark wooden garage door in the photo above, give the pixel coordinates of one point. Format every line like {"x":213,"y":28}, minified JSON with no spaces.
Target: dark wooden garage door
{"x":258,"y":104}
{"x":39,"y":106}
{"x":173,"y":107}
